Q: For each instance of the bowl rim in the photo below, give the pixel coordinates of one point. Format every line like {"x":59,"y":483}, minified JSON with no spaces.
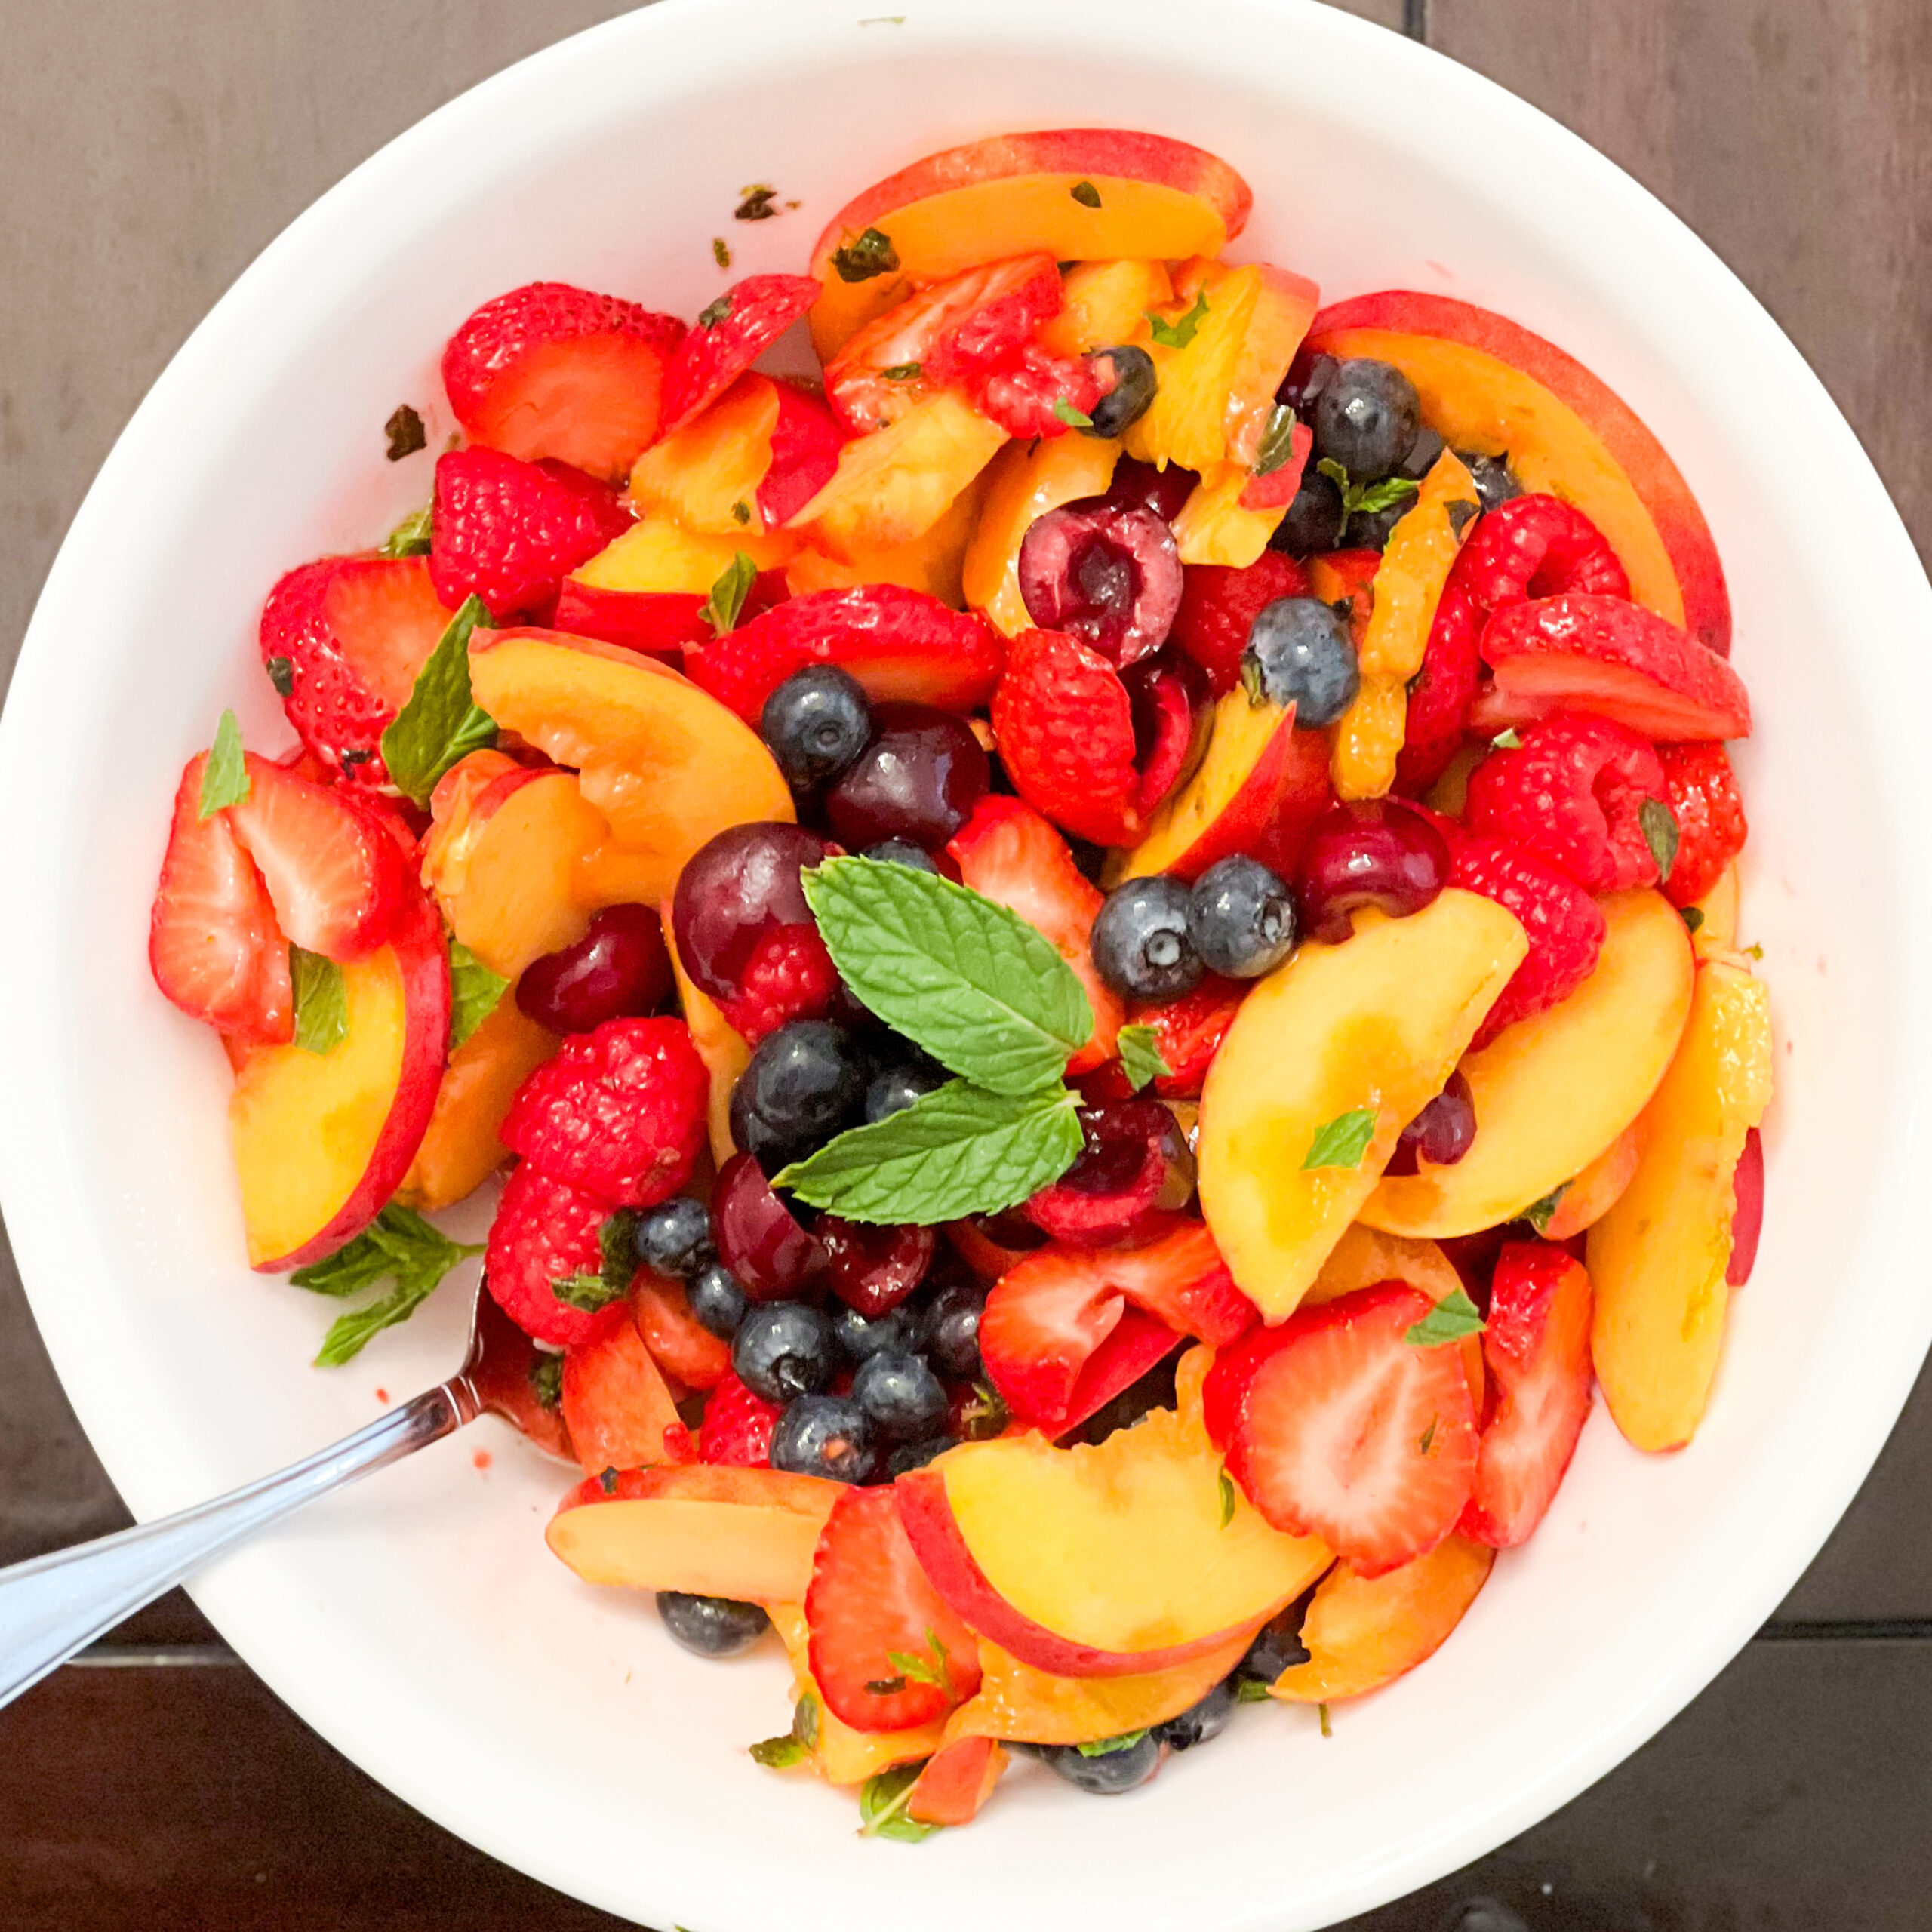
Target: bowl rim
{"x":682,"y":36}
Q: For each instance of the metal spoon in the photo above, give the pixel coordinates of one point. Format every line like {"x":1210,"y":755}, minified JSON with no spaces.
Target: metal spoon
{"x":53,"y":1605}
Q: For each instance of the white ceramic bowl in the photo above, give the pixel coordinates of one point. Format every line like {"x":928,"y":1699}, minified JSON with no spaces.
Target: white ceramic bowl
{"x":419,"y":1623}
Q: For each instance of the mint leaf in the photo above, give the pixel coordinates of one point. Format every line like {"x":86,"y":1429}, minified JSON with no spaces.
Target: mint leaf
{"x":322,"y":1002}
{"x":1366,"y":498}
{"x":281,"y":674}
{"x":1454,"y":1316}
{"x":715,"y":313}
{"x":616,"y":1237}
{"x":398,"y":1245}
{"x":1322,"y":1712}
{"x":804,"y":1721}
{"x":1278,"y":441}
{"x":225,"y":775}
{"x":1510,"y":740}
{"x":756,"y":206}
{"x":882,"y":1801}
{"x":1086,"y":194}
{"x":1251,"y":1690}
{"x":869,"y":254}
{"x":958,"y":1151}
{"x":721,"y":253}
{"x":920,"y":1671}
{"x":1693,"y":917}
{"x":546,"y":1380}
{"x":985,"y":993}
{"x":441,"y":722}
{"x":410,"y":537}
{"x":1660,"y":835}
{"x":720,"y":610}
{"x":1540,"y":1213}
{"x":1178,"y":335}
{"x":780,"y":1754}
{"x":1342,"y":1142}
{"x":1140,"y":1057}
{"x":474,"y":992}
{"x":741,"y":511}
{"x":1106,"y":1747}
{"x":404,"y":432}
{"x":590,"y":1292}
{"x":904,"y":372}
{"x":1227,"y":1498}
{"x":1074,"y":418}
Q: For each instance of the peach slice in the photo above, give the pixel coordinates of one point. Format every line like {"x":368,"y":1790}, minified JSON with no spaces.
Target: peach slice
{"x":666,"y":764}
{"x":1258,"y":789}
{"x":706,"y":477}
{"x":957,"y":1780}
{"x":320,"y":1140}
{"x":460,"y":1150}
{"x":933,"y":563}
{"x":1375,"y":1024}
{"x":1591,"y":1195}
{"x":1658,"y":1258}
{"x":1111,"y":1559}
{"x":1361,"y":1633}
{"x":840,"y":1755}
{"x":1023,"y":482}
{"x":1216,"y":525}
{"x":1552,"y":1092}
{"x":1490,"y":385}
{"x":711,"y":1530}
{"x":1717,"y":911}
{"x":1105,"y":304}
{"x":1285,"y":305}
{"x":1187,"y":422}
{"x":891,"y":487}
{"x":1159,"y":200}
{"x":616,"y":1405}
{"x":719,"y":1045}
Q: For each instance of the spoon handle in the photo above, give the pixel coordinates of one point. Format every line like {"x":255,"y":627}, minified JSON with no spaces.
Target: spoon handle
{"x":52,"y":1606}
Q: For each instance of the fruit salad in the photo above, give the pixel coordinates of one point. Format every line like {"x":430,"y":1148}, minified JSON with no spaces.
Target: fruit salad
{"x":1091,"y":961}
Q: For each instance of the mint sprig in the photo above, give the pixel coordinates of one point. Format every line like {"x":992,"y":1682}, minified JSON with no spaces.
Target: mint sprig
{"x":1342,"y":1142}
{"x":1178,"y":335}
{"x":474,"y":992}
{"x":398,"y":1246}
{"x":960,"y":1150}
{"x":322,"y":1002}
{"x":1540,"y":1213}
{"x":1366,"y":499}
{"x":1141,"y":1059}
{"x":882,"y":1801}
{"x":987,"y":995}
{"x":441,"y":722}
{"x":225,"y":775}
{"x":1454,"y":1316}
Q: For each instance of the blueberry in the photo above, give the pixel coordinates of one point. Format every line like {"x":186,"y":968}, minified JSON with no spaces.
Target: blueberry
{"x":1299,"y":652}
{"x":909,"y":1456}
{"x":1241,"y":917}
{"x":1306,"y":380}
{"x":949,"y":1329}
{"x":824,"y":1435}
{"x":712,"y":1626}
{"x":1277,"y":1646}
{"x":1496,"y":482}
{"x":1423,"y":455}
{"x":904,"y":1399}
{"x":901,"y":1080}
{"x":675,"y":1237}
{"x":1140,"y":940}
{"x":860,"y":1339}
{"x":1314,"y":519}
{"x":783,"y":1348}
{"x":1132,"y":391}
{"x":903,"y":852}
{"x":805,"y":1084}
{"x":717,"y":1299}
{"x":1199,"y":1722}
{"x":816,"y":722}
{"x":1111,"y":1772}
{"x":1371,"y":530}
{"x":1366,"y":417}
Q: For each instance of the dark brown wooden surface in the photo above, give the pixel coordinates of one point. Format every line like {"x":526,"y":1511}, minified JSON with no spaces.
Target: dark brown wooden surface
{"x":148,"y":153}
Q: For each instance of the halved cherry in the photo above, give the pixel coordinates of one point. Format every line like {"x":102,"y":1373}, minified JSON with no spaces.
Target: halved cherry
{"x":1106,"y":573}
{"x":1134,"y":1166}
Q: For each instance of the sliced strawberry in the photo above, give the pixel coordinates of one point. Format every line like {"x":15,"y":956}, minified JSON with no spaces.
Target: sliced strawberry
{"x":1442,"y":692}
{"x":343,"y":639}
{"x":1537,"y":1347}
{"x":1188,"y":1032}
{"x":1747,"y":1215}
{"x":805,"y":442}
{"x":552,"y":370}
{"x":957,"y":330}
{"x":678,"y":1341}
{"x":663,"y":624}
{"x":1137,"y":1343}
{"x":1007,"y":852}
{"x":334,"y":870}
{"x":1045,"y":1319}
{"x":880,"y":1634}
{"x":213,"y":946}
{"x":1335,"y":1425}
{"x":620,"y":1413}
{"x":899,"y":644}
{"x":738,"y":1426}
{"x":1586,"y":653}
{"x":732,"y":333}
{"x":511,"y":531}
{"x":1064,"y":722}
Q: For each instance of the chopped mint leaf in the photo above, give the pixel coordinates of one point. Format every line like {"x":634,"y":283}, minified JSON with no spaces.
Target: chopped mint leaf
{"x":1322,"y":1712}
{"x":607,"y":1480}
{"x":1278,"y":441}
{"x":225,"y":775}
{"x":1540,"y":1213}
{"x":1509,"y":739}
{"x":713,"y":313}
{"x":1461,"y":513}
{"x":867,"y":255}
{"x":884,"y":1687}
{"x":616,"y":1235}
{"x":985,"y":993}
{"x":1342,"y":1142}
{"x":1179,"y":335}
{"x":721,"y":253}
{"x":405,"y":433}
{"x":1227,"y":1498}
{"x":1366,"y":499}
{"x":1140,"y":1057}
{"x":1086,"y":194}
{"x":1106,"y":1747}
{"x":804,"y":1721}
{"x":474,"y":992}
{"x":398,"y":1246}
{"x":1754,"y":953}
{"x":281,"y":674}
{"x":322,"y":1002}
{"x":756,"y":206}
{"x":985,"y":1415}
{"x":1074,"y":418}
{"x":1454,"y":1316}
{"x":904,"y":372}
{"x":741,"y":511}
{"x":931,"y":1668}
{"x":720,"y":609}
{"x":591,"y":1293}
{"x":1426,"y":1441}
{"x":1693,"y":917}
{"x":1660,"y":835}
{"x":1251,"y":1690}
{"x":410,"y":537}
{"x":882,"y":1801}
{"x":441,"y":722}
{"x":546,"y":1380}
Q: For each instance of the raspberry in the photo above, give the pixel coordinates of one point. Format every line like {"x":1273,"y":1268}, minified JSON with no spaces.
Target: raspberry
{"x":1025,"y":394}
{"x":1536,"y":546}
{"x":619,"y":1113}
{"x":1065,"y":727}
{"x":1565,"y":925}
{"x":1574,"y":793}
{"x":789,"y":976}
{"x":1219,"y":605}
{"x":511,"y":531}
{"x":1710,"y":829}
{"x":1442,"y":692}
{"x":545,"y":1232}
{"x":737,"y":1426}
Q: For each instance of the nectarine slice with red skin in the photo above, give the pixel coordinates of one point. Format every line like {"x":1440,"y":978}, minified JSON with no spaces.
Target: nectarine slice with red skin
{"x":805,"y":442}
{"x":932,"y":563}
{"x":1195,"y":404}
{"x":957,"y":1780}
{"x":322,"y":1140}
{"x":1362,"y":1632}
{"x":1013,"y":194}
{"x":1747,"y":1220}
{"x":1107,"y":1560}
{"x":1285,"y":305}
{"x":1490,"y":385}
{"x":619,"y":1411}
{"x":1590,"y":1196}
{"x":709,"y":1531}
{"x":705,"y":475}
{"x":742,"y":323}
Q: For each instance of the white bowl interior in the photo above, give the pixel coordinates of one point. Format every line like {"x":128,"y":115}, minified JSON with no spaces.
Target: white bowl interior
{"x":419,"y":1623}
